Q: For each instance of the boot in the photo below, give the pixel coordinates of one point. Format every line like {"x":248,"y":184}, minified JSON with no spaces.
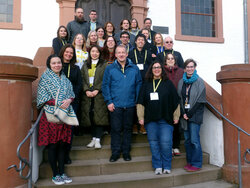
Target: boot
{"x":143,"y":130}
{"x":135,"y":129}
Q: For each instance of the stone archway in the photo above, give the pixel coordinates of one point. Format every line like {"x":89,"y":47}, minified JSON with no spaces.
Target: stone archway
{"x":138,"y":10}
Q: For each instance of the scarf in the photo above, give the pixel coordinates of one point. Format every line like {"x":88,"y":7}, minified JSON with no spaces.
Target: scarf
{"x":191,"y":80}
{"x":50,"y":86}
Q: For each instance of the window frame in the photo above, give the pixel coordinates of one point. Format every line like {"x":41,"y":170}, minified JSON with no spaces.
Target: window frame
{"x":16,"y":21}
{"x":218,"y":26}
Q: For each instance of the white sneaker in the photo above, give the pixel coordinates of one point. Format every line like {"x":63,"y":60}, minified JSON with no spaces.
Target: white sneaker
{"x":97,"y":143}
{"x":92,"y":143}
{"x":158,"y":171}
{"x":166,"y":171}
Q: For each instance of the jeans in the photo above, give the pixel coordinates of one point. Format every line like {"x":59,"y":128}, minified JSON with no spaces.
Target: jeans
{"x":160,"y":137}
{"x":193,"y":145}
{"x":121,"y":120}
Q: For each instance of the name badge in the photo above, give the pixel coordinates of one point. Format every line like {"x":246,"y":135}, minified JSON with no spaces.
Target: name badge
{"x":91,"y":80}
{"x":149,"y":40}
{"x":187,"y":106}
{"x":154,"y":96}
{"x":140,"y":66}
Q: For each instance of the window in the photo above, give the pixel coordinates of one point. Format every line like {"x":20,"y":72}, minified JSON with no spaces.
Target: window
{"x":199,"y":20}
{"x":10,"y":14}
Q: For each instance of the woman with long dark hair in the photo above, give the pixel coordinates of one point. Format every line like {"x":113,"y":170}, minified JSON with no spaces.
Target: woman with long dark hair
{"x":73,"y":73}
{"x":61,"y":39}
{"x":108,"y":51}
{"x":158,"y":109}
{"x":94,"y":109}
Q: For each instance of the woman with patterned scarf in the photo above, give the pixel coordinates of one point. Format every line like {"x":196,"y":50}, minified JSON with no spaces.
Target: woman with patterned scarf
{"x":55,"y":91}
{"x":192,"y":91}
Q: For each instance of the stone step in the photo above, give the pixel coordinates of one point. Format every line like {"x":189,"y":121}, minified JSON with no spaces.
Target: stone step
{"x":106,"y":139}
{"x":82,"y":152}
{"x":209,"y":184}
{"x":104,"y":167}
{"x":146,"y":179}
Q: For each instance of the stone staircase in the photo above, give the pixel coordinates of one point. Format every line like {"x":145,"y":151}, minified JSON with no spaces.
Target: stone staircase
{"x":91,"y":168}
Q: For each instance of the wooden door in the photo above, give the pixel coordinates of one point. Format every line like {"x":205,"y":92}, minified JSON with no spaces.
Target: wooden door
{"x":107,"y":10}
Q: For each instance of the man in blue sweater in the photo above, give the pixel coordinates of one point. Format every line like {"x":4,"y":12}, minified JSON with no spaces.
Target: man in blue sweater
{"x":120,"y":89}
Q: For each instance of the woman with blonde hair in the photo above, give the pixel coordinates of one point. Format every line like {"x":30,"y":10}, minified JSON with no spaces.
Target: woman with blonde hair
{"x":79,"y":43}
{"x":92,"y":39}
{"x":158,"y":42}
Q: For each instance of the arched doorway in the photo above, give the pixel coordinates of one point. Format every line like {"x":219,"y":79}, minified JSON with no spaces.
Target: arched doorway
{"x":107,"y":10}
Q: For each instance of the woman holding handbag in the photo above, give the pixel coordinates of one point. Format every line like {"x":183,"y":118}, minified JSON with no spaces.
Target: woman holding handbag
{"x":55,"y":93}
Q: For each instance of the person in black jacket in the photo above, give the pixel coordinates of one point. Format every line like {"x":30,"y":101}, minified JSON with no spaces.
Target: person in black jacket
{"x":61,"y":39}
{"x":141,"y":56}
{"x":158,"y":109}
{"x":73,"y":73}
{"x":168,"y":45}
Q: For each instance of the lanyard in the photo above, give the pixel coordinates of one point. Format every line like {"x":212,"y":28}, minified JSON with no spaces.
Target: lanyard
{"x":187,"y":90}
{"x":160,"y":49}
{"x":146,"y":52}
{"x":155,"y":88}
{"x":165,"y":53}
{"x":63,"y":43}
{"x":128,"y":48}
{"x":68,"y":70}
{"x":149,"y":35}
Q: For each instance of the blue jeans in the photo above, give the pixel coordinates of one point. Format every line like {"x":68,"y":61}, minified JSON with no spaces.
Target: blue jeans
{"x":193,"y":145}
{"x":121,"y":120}
{"x":160,"y":135}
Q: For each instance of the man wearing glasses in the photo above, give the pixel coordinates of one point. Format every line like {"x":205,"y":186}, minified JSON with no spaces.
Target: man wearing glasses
{"x":168,"y":45}
{"x":124,"y":40}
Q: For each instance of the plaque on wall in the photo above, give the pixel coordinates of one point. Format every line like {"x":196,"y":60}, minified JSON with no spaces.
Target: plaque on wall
{"x":160,"y":29}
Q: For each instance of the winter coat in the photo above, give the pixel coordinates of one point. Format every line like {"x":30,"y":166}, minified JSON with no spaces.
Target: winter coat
{"x":100,"y":109}
{"x":121,"y":89}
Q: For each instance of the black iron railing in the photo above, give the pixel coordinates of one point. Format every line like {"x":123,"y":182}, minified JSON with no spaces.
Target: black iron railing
{"x":24,"y":162}
{"x":239,"y":153}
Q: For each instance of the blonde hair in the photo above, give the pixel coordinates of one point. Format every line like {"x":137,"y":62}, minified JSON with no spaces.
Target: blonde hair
{"x":84,"y":42}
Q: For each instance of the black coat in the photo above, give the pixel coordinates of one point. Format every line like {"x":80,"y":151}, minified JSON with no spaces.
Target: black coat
{"x":57,"y":44}
{"x":141,"y":59}
{"x":163,"y":108}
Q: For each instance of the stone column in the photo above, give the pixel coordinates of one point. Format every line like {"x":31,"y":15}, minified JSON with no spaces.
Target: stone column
{"x":235,"y":80}
{"x":16,"y":76}
{"x":139,"y":10}
{"x":67,"y":11}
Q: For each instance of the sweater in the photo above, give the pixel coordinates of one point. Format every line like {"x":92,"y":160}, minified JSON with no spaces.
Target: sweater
{"x":163,"y":108}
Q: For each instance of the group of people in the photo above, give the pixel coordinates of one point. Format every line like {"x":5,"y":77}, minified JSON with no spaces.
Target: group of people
{"x":120,"y":80}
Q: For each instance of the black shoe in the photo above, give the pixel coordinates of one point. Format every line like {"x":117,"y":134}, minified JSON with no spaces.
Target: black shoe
{"x":67,"y":161}
{"x":126,"y":157}
{"x":114,"y":158}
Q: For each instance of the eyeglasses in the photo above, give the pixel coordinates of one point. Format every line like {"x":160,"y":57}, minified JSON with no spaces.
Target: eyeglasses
{"x":156,"y":68}
{"x":125,"y":37}
{"x":169,"y":42}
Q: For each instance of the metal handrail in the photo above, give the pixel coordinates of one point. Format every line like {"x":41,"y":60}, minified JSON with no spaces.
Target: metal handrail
{"x":239,"y":153}
{"x":24,"y":162}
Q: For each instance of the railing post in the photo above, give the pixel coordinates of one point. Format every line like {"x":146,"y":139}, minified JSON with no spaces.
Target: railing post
{"x":239,"y":161}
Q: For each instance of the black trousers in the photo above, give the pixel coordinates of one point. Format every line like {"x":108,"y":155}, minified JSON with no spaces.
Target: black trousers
{"x":121,"y":120}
